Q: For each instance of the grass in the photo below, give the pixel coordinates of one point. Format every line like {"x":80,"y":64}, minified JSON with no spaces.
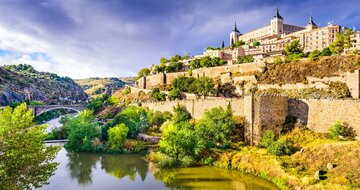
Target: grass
{"x":315,"y":151}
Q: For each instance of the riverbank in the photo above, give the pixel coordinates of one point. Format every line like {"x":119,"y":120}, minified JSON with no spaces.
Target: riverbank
{"x":316,"y":162}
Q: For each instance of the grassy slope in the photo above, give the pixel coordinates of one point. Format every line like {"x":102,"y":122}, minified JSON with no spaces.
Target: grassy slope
{"x":96,"y":86}
{"x":297,"y":170}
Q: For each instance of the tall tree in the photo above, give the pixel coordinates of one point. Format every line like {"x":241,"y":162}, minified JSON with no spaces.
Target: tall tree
{"x":223,"y":45}
{"x":25,"y":161}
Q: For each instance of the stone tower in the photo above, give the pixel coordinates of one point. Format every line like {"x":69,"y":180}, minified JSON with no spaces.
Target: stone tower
{"x":277,"y":23}
{"x":234,"y":35}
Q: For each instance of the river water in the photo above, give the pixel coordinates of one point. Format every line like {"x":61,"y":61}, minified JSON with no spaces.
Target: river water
{"x":91,"y":171}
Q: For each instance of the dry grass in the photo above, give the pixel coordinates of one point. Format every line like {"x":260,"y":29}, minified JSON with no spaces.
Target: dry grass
{"x":297,"y":71}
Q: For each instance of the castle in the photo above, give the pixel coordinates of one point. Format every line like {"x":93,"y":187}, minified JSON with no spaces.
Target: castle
{"x":272,"y":39}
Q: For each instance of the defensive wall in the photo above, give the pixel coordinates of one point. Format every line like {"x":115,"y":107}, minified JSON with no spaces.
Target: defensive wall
{"x":213,"y":72}
{"x":268,"y":112}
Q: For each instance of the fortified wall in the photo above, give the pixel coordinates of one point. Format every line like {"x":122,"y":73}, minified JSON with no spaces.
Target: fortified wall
{"x":260,"y":112}
{"x":268,"y":112}
{"x":222,"y":72}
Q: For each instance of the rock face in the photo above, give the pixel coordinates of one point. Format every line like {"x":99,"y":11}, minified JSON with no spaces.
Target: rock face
{"x":22,"y":82}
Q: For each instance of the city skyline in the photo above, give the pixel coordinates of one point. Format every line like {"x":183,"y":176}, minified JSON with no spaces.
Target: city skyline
{"x":116,"y":38}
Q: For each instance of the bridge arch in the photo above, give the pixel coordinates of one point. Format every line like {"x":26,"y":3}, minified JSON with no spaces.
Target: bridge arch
{"x":57,"y":108}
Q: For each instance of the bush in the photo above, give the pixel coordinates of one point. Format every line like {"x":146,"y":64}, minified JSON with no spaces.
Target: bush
{"x":127,"y":90}
{"x":157,"y":95}
{"x":340,"y":130}
{"x":113,"y":100}
{"x":244,"y":59}
{"x":180,"y":114}
{"x":315,"y":55}
{"x":174,"y":94}
{"x":339,"y":89}
{"x":280,"y":148}
{"x":117,"y":136}
{"x":187,"y":161}
{"x":267,"y":139}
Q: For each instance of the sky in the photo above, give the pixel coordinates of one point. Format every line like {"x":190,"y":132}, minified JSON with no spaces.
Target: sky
{"x":116,"y":38}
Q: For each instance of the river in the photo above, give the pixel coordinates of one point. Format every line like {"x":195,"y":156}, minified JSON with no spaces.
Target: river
{"x":92,"y":171}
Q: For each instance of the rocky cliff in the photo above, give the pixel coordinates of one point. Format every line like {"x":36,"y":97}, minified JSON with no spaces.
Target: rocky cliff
{"x":98,"y":86}
{"x":21,"y":82}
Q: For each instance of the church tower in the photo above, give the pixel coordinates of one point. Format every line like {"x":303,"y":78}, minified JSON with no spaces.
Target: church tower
{"x":311,"y":25}
{"x":277,"y":23}
{"x":234,"y":35}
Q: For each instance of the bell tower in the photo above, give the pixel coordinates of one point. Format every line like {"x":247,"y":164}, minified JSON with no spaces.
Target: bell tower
{"x":277,"y":23}
{"x":234,"y":35}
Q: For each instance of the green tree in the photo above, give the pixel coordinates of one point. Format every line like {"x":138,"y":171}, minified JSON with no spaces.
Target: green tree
{"x":215,"y":127}
{"x":181,"y":114}
{"x":202,"y":86}
{"x":25,"y":161}
{"x":326,"y":52}
{"x":113,"y":100}
{"x":294,"y":51}
{"x":256,"y":43}
{"x":239,"y":43}
{"x":174,"y":67}
{"x":157,"y":95}
{"x":347,"y":38}
{"x":174,"y":94}
{"x":143,"y":124}
{"x":338,"y":46}
{"x":244,"y":59}
{"x":175,"y":58}
{"x":163,"y":60}
{"x":205,"y":61}
{"x":143,"y":72}
{"x":117,"y":136}
{"x":223,"y":45}
{"x":82,"y":131}
{"x":182,"y":83}
{"x":195,"y":64}
{"x":314,"y":55}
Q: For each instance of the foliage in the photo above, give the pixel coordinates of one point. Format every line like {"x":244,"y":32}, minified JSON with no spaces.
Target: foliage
{"x":34,"y":103}
{"x":341,"y":130}
{"x":174,"y":94}
{"x":143,"y":124}
{"x":157,"y":95}
{"x":222,"y":44}
{"x":202,"y":86}
{"x":97,"y":104}
{"x":82,"y":131}
{"x":174,"y":67}
{"x":280,"y":148}
{"x":342,"y":41}
{"x":267,"y":139}
{"x":206,"y":61}
{"x":182,"y":83}
{"x":256,"y":43}
{"x":143,"y":72}
{"x":278,"y":60}
{"x":113,"y":100}
{"x":25,"y":161}
{"x":127,"y":90}
{"x":294,"y":51}
{"x":178,"y":140}
{"x":314,"y":55}
{"x":237,"y":44}
{"x":227,"y":90}
{"x":326,"y":52}
{"x":181,"y":114}
{"x":244,"y":59}
{"x":212,"y":48}
{"x":215,"y":127}
{"x":117,"y":136}
{"x":158,"y":118}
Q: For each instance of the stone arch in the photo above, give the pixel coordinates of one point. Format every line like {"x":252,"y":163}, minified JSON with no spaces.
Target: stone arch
{"x":56,"y":108}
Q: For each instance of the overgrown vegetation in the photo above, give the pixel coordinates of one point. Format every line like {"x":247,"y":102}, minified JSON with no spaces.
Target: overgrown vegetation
{"x":206,"y":62}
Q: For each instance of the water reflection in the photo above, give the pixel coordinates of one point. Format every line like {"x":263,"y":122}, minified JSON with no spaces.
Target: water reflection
{"x":103,"y":171}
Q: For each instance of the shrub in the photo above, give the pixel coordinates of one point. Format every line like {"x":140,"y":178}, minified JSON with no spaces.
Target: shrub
{"x":166,"y":162}
{"x":143,"y":124}
{"x":341,"y":130}
{"x":267,"y":139}
{"x":113,"y":100}
{"x":339,"y":89}
{"x":180,"y":114}
{"x":314,"y":55}
{"x":187,"y":161}
{"x":117,"y":136}
{"x":175,"y":94}
{"x":127,"y":90}
{"x":244,"y":59}
{"x":157,"y":95}
{"x":280,"y":148}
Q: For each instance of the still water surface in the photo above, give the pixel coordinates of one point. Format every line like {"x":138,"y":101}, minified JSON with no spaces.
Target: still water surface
{"x":132,"y":172}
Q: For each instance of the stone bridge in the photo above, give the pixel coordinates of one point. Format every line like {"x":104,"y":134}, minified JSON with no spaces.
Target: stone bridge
{"x":38,"y":110}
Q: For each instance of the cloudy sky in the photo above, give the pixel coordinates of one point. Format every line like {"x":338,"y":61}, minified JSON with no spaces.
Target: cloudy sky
{"x":100,"y":38}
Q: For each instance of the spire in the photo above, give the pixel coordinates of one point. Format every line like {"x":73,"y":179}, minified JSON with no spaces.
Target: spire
{"x":235,"y":28}
{"x":277,"y":13}
{"x":311,"y":20}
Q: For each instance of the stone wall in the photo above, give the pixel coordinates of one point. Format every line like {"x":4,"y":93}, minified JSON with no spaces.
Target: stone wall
{"x":261,"y":113}
{"x":320,"y":115}
{"x":198,"y":107}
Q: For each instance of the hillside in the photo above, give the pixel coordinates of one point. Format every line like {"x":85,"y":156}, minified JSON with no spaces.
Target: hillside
{"x":21,"y":82}
{"x":97,"y":86}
